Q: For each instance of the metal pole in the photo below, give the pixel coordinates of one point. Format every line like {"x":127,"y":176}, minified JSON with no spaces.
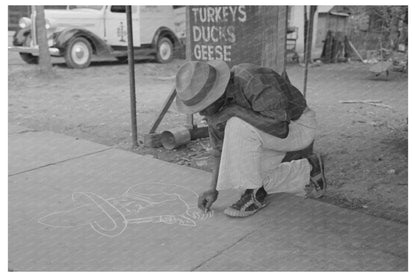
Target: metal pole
{"x":132,"y":76}
{"x":305,"y":80}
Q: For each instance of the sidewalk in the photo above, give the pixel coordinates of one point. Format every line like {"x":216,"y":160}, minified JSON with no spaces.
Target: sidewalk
{"x":75,"y":205}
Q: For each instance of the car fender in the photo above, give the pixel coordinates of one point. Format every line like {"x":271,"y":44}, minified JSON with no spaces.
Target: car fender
{"x":98,"y":45}
{"x":20,"y":35}
{"x":165,"y":32}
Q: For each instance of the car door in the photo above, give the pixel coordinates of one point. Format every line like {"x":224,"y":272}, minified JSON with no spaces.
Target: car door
{"x":116,"y":26}
{"x":154,"y":17}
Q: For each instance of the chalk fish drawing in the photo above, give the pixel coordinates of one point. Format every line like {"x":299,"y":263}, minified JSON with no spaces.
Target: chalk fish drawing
{"x":143,"y":203}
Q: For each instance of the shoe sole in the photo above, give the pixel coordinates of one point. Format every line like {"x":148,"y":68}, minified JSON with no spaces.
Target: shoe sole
{"x":321,"y":165}
{"x":314,"y":193}
{"x":322,"y":192}
{"x":234,"y":213}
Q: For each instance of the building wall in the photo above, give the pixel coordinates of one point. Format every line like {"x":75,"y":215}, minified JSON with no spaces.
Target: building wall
{"x":328,"y":22}
{"x":297,"y":20}
{"x":323,"y":21}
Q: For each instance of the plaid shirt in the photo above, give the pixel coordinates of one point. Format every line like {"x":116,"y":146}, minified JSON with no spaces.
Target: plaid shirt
{"x":261,"y":90}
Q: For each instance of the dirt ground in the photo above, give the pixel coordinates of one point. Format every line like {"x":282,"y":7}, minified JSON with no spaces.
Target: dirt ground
{"x":365,"y":146}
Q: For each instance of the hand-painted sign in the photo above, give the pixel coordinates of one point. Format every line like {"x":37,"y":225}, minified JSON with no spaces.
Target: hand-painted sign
{"x":235,"y":34}
{"x":218,"y":32}
{"x":224,"y":32}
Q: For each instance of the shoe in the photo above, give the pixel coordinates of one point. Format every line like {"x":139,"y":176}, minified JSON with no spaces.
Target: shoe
{"x":317,"y":183}
{"x":248,"y":204}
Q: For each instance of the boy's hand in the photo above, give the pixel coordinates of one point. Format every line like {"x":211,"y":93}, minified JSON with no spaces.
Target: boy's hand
{"x":206,"y":199}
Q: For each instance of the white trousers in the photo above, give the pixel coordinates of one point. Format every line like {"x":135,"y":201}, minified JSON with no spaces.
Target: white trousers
{"x":252,"y":158}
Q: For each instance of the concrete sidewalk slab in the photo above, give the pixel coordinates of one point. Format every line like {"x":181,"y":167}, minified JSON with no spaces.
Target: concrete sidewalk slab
{"x":30,"y":149}
{"x":119,"y":211}
{"x":147,"y":246}
{"x":307,"y":235}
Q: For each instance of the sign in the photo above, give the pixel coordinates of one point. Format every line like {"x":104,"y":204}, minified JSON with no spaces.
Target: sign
{"x":235,"y":34}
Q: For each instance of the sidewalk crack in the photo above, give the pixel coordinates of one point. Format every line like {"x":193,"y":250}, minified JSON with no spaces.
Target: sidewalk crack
{"x":225,"y":249}
{"x":62,"y":161}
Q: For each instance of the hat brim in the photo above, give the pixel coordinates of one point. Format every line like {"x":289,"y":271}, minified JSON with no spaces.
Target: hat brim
{"x":217,"y":90}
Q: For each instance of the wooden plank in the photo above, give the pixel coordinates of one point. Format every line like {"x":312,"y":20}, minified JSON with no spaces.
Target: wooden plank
{"x":164,"y":109}
{"x":359,"y":101}
{"x":376,"y":103}
{"x":355,"y":51}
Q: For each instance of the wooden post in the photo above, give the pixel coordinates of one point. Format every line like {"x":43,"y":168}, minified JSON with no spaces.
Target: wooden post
{"x":165,"y":108}
{"x":44,"y":55}
{"x":285,"y":42}
{"x":273,"y":37}
{"x":308,"y":46}
{"x":281,"y":37}
{"x":132,"y":77}
{"x":188,"y":52}
{"x":190,"y":117}
{"x":34,"y":29}
{"x":312,"y":11}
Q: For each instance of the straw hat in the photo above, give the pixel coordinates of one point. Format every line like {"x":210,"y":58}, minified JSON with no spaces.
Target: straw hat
{"x":199,"y":84}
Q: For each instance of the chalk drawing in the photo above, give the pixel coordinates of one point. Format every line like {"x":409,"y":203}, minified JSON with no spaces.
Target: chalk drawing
{"x":142,"y":203}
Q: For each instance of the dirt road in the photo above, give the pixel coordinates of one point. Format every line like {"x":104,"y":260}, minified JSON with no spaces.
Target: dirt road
{"x":365,"y":146}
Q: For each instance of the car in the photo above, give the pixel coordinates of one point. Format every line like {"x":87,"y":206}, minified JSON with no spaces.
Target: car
{"x":78,"y":32}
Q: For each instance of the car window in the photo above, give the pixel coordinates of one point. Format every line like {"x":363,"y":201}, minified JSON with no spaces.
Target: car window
{"x":57,"y":7}
{"x":118,"y":9}
{"x":85,"y":7}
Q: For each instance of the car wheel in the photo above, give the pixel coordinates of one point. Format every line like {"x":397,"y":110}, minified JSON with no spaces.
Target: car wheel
{"x":27,"y":57}
{"x":78,"y":53}
{"x":164,"y":52}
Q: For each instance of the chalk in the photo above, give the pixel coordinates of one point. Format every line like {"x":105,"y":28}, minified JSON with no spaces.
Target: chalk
{"x":143,"y":203}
